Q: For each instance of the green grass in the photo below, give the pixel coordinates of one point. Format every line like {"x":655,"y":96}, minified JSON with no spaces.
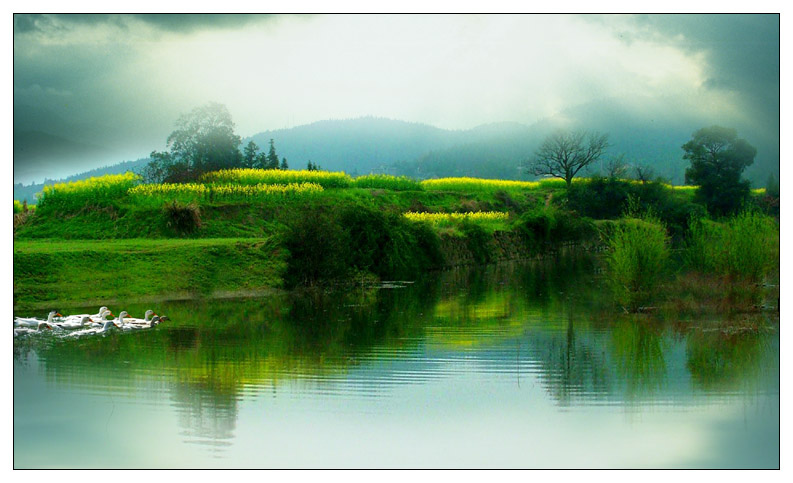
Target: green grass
{"x":52,"y":272}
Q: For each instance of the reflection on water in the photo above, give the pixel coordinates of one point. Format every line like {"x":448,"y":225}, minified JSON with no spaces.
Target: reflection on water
{"x":510,"y":366}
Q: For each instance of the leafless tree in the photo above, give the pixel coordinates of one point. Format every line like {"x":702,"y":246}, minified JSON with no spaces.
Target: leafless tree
{"x":643,"y":173}
{"x":563,"y":154}
{"x":617,"y":167}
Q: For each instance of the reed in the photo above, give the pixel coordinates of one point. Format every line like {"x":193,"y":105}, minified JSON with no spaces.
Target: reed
{"x":637,"y":259}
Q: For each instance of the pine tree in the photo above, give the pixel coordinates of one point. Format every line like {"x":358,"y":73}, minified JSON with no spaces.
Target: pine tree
{"x":272,"y":157}
{"x":283,"y":164}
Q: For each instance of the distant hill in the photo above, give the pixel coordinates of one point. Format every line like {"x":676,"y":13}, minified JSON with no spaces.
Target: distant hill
{"x":28,"y":192}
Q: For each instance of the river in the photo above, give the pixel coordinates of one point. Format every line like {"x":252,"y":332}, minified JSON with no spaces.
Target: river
{"x":510,"y":366}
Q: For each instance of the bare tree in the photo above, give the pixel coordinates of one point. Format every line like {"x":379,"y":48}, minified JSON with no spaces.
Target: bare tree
{"x":644,"y":173}
{"x":563,"y":154}
{"x":617,"y":167}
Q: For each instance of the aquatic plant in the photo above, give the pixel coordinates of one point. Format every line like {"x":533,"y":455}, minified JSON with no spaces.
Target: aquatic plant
{"x":745,"y":246}
{"x":638,"y":253}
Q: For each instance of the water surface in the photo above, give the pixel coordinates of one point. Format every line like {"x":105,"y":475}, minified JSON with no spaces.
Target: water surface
{"x":511,"y":366}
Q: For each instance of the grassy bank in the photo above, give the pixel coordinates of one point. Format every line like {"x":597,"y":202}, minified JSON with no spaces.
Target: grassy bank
{"x":48,"y":273}
{"x":113,"y":238}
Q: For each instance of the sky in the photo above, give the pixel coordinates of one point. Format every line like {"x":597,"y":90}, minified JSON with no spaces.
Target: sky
{"x":118,"y":83}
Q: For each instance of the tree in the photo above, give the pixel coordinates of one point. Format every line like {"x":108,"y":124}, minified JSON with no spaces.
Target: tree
{"x":617,"y":167}
{"x":272,"y":157}
{"x":718,"y":157}
{"x":563,"y":154}
{"x":643,"y":173}
{"x":204,"y":140}
{"x":250,"y":154}
{"x":284,"y":164}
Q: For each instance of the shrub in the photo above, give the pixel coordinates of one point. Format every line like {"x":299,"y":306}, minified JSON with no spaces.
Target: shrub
{"x":182,"y":218}
{"x":548,"y":226}
{"x":637,"y":259}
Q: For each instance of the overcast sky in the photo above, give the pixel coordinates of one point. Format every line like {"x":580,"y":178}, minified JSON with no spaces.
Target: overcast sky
{"x":122,"y":80}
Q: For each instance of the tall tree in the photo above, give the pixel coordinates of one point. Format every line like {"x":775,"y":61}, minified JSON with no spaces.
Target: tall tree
{"x":718,"y":157}
{"x":204,"y":140}
{"x":284,"y":164}
{"x":272,"y":157}
{"x":249,"y":155}
{"x":563,"y":154}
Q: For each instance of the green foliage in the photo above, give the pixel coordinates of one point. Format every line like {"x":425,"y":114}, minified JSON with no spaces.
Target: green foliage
{"x":93,"y":192}
{"x":387,"y":182}
{"x":718,"y":157}
{"x":330,"y":242}
{"x":546,"y":227}
{"x":17,"y":207}
{"x":637,"y":259}
{"x":743,"y":247}
{"x":605,"y":198}
{"x":204,"y":140}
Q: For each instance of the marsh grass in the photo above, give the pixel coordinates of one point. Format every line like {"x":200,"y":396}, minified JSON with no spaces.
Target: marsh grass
{"x":637,"y":259}
{"x":743,"y":247}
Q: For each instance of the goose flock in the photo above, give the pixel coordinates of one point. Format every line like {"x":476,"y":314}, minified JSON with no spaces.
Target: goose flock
{"x":81,"y":325}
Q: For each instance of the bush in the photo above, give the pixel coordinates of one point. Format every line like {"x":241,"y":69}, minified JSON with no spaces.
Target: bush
{"x":548,"y":226}
{"x":637,"y":259}
{"x":745,"y":246}
{"x":182,"y":218}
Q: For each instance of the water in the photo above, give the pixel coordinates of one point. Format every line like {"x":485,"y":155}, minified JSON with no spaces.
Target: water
{"x":514,"y":366}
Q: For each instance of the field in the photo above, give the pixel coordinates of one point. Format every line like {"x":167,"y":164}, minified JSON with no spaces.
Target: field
{"x":248,"y":229}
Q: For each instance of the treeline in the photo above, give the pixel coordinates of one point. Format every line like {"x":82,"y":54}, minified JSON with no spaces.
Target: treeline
{"x":204,"y":141}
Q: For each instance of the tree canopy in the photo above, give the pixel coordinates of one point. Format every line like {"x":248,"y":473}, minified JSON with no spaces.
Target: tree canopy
{"x":718,"y":157}
{"x":204,"y":140}
{"x":563,"y":154}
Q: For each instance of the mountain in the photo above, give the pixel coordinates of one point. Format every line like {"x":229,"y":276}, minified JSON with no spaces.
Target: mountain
{"x":38,"y":154}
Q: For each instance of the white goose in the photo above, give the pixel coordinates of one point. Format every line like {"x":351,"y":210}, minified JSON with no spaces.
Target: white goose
{"x":145,"y":320}
{"x":94,"y":330}
{"x":103,"y":312}
{"x":70,"y":324}
{"x":34,"y":322}
{"x":30,"y":330}
{"x":153,"y":322}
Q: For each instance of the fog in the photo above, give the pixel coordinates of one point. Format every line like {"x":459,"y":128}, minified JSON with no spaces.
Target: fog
{"x":113,"y":85}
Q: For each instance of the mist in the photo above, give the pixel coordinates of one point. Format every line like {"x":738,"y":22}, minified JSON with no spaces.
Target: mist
{"x":94,"y":90}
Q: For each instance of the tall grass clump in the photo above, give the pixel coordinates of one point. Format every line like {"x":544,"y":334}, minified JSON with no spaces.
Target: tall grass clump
{"x":250,"y":176}
{"x":95,"y":192}
{"x":637,"y":258}
{"x":472,"y":185}
{"x":745,"y":246}
{"x":387,"y":182}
